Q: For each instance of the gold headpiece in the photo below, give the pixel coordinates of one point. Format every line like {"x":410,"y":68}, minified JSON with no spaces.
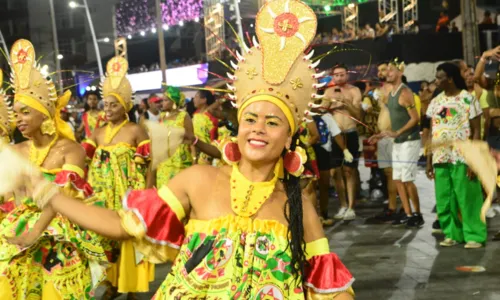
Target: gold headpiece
{"x":36,"y":90}
{"x":277,"y":70}
{"x":116,"y":83}
{"x":7,"y":123}
{"x":400,"y":65}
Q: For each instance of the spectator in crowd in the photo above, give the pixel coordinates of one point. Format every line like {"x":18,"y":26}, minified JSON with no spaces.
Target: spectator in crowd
{"x":455,"y":115}
{"x":487,"y":20}
{"x":335,"y":35}
{"x":381,"y":29}
{"x":369,"y":31}
{"x":453,"y":27}
{"x":443,"y":22}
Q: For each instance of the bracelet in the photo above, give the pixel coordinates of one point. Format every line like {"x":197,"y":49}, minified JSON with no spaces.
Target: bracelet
{"x":195,"y":141}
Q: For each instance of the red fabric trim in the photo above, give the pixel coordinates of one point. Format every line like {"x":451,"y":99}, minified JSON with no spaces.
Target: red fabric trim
{"x":64,"y":177}
{"x":326,"y":274}
{"x":7,"y":207}
{"x":89,"y":149}
{"x":215,"y":122}
{"x":161,"y":223}
{"x":85,"y":119}
{"x":144,"y":151}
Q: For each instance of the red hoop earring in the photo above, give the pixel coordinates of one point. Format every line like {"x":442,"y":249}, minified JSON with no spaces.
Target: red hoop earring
{"x":294,"y":161}
{"x":230,"y":151}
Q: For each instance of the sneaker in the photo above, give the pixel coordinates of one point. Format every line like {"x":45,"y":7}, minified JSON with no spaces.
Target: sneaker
{"x":401,"y":221}
{"x":415,"y":221}
{"x":350,"y":215}
{"x":491,"y":213}
{"x":473,"y":245}
{"x":448,"y":242}
{"x":436,"y":227}
{"x":388,"y":216}
{"x":340,"y":214}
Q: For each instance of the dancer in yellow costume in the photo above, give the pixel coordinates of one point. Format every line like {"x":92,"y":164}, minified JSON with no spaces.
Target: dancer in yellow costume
{"x":204,"y":123}
{"x":241,"y":233}
{"x":120,"y":157}
{"x":175,"y":117}
{"x":7,"y":125}
{"x":42,"y":254}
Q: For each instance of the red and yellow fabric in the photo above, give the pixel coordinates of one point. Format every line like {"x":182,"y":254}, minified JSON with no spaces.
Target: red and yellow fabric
{"x":92,"y":122}
{"x":223,"y":133}
{"x":230,"y":257}
{"x":66,"y":262}
{"x":205,"y":128}
{"x":113,"y":171}
{"x":177,"y":162}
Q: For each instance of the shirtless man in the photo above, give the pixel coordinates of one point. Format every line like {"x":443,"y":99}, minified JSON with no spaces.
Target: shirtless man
{"x":345,"y":103}
{"x":384,"y":145}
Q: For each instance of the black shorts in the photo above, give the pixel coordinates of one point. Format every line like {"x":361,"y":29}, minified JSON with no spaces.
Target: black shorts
{"x":323,"y":158}
{"x":352,"y":142}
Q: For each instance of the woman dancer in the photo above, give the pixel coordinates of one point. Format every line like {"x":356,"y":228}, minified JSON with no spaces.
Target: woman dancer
{"x":242,"y":233}
{"x":44,"y":254}
{"x":173,"y":116}
{"x":120,"y":157}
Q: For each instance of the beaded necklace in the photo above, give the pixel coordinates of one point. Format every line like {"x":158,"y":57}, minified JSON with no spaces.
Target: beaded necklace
{"x":38,"y":156}
{"x":112,"y":132}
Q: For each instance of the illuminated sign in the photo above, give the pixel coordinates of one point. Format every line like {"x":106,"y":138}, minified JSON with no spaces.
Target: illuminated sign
{"x":190,"y":75}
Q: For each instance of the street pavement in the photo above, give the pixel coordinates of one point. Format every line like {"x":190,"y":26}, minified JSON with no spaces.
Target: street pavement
{"x":402,"y":264}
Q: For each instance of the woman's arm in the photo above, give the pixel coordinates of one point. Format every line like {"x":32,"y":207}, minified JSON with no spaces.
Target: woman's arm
{"x":313,"y":133}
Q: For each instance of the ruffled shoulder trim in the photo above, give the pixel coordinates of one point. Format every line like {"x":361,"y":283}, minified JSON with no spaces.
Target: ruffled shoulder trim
{"x":89,"y":147}
{"x":327,"y":274}
{"x":154,"y":224}
{"x":143,"y":152}
{"x":73,"y":179}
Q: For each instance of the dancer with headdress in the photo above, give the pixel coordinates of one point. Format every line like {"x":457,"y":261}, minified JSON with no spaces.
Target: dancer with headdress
{"x":240,"y":232}
{"x":92,"y":118}
{"x":173,"y":116}
{"x":120,"y":157}
{"x":43,"y":254}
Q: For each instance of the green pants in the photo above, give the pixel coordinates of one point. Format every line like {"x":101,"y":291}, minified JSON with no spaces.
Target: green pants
{"x":457,"y":195}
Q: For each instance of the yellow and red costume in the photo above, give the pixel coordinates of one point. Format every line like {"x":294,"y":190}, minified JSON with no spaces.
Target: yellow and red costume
{"x":238,"y":256}
{"x":114,"y":169}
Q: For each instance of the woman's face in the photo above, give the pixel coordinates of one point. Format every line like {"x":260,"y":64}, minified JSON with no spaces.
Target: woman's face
{"x":167,"y":104}
{"x":113,"y":109}
{"x":28,"y":120}
{"x":263,"y":132}
{"x":92,"y":101}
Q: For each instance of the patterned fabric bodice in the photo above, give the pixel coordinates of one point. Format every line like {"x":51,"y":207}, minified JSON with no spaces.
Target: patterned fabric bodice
{"x":113,"y":171}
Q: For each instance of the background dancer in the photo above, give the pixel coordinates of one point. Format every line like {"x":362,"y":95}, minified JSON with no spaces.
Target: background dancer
{"x":120,"y":158}
{"x":44,"y":255}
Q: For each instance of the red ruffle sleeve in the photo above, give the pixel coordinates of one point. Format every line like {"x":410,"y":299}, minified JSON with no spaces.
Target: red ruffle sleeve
{"x":327,"y":274}
{"x":66,"y":178}
{"x":155,"y":225}
{"x":89,"y":149}
{"x":143,"y":152}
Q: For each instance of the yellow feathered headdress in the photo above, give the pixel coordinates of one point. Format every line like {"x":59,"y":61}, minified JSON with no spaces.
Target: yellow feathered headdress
{"x":116,"y":83}
{"x":36,"y":90}
{"x":277,"y":70}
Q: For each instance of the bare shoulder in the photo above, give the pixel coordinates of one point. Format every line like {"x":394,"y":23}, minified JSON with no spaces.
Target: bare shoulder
{"x":22,"y":147}
{"x":200,"y":174}
{"x":73,"y":153}
{"x":313,"y":229}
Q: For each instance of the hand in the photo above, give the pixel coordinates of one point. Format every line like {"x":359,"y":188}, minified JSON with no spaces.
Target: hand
{"x":492,"y":54}
{"x":391,"y":134}
{"x":374,"y":139}
{"x":470,"y":174}
{"x":25,"y":240}
{"x":429,"y":171}
{"x":348,"y":156}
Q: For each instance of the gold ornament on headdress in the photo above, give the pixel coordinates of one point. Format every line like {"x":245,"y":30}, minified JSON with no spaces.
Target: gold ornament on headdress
{"x":36,"y":90}
{"x":400,"y":65}
{"x":7,"y":122}
{"x":277,"y":70}
{"x":116,"y":83}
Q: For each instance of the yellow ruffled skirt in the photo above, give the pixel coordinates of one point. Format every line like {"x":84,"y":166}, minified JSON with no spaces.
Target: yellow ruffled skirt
{"x":128,"y":276}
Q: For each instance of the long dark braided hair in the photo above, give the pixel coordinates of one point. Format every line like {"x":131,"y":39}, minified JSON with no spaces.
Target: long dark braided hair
{"x":294,"y":216}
